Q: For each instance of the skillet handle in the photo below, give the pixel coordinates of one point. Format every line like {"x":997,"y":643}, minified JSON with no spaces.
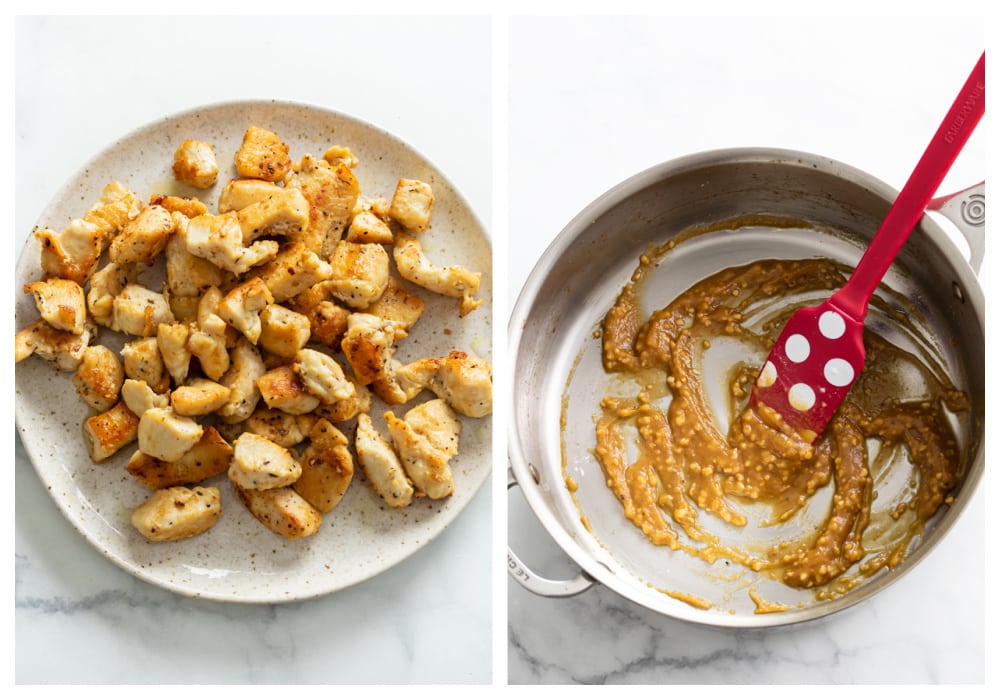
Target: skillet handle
{"x":967,"y":210}
{"x":537,"y":584}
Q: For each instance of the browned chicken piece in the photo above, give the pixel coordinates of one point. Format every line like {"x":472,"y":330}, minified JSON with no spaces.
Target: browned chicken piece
{"x":140,"y":397}
{"x":210,"y":456}
{"x":240,"y":193}
{"x":368,"y":346}
{"x":195,"y":164}
{"x":277,"y":426}
{"x":411,"y":204}
{"x":199,"y":397}
{"x":332,"y":192}
{"x":282,"y":511}
{"x":262,"y":155}
{"x":61,"y":349}
{"x":177,"y":513}
{"x":108,"y":432}
{"x":327,"y":467}
{"x":283,"y":389}
{"x":189,"y":275}
{"x":188,"y":207}
{"x":140,"y":311}
{"x":99,"y":378}
{"x":219,"y":239}
{"x":327,"y":319}
{"x":241,"y":307}
{"x":293,"y":271}
{"x":245,"y":368}
{"x":105,"y":285}
{"x":114,"y":209}
{"x":143,"y":238}
{"x":323,"y":376}
{"x":167,"y":435}
{"x":281,"y":213}
{"x":172,"y":339}
{"x":426,"y":439}
{"x":453,"y":281}
{"x":466,"y":383}
{"x":341,"y":154}
{"x":207,"y":340}
{"x":346,"y":409}
{"x":60,"y":302}
{"x":143,"y":362}
{"x":259,"y":463}
{"x":381,"y":466}
{"x":74,"y":253}
{"x":360,"y":273}
{"x":366,"y":227}
{"x":399,"y":306}
{"x":283,"y":331}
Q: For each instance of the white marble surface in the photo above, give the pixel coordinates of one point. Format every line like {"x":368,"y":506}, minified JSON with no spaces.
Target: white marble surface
{"x":594,"y":100}
{"x":79,"y":85}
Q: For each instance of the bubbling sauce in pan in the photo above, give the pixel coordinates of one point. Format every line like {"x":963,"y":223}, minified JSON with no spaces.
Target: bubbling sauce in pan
{"x":687,"y":470}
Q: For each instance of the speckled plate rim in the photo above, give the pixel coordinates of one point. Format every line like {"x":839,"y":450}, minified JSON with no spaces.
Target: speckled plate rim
{"x":470,"y":477}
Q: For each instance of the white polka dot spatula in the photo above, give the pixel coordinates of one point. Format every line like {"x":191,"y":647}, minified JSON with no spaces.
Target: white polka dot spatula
{"x":820,"y":351}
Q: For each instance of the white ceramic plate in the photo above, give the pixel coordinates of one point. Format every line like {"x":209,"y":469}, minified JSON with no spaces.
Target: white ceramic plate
{"x":239,"y":559}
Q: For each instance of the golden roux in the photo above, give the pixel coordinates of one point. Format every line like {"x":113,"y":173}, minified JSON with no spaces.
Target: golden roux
{"x":689,"y":474}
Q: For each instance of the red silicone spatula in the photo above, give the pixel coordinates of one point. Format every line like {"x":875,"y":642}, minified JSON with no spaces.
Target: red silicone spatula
{"x":820,"y":351}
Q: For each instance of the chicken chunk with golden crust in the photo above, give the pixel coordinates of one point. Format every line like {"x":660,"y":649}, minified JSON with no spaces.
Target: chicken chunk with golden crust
{"x":143,"y":238}
{"x":61,"y":349}
{"x":140,"y":311}
{"x":99,"y":378}
{"x":74,"y":253}
{"x":453,"y":281}
{"x":381,"y":465}
{"x":327,"y":467}
{"x":116,"y":206}
{"x":108,"y":432}
{"x":143,"y":361}
{"x":294,"y":270}
{"x":360,"y":273}
{"x":426,"y":439}
{"x":165,"y":434}
{"x":241,"y":307}
{"x":199,"y":397}
{"x":411,"y":204}
{"x":323,"y":376}
{"x":262,"y":155}
{"x":332,"y":191}
{"x":282,"y":511}
{"x":210,"y":456}
{"x":245,"y":368}
{"x":259,"y":463}
{"x":177,"y":513}
{"x":61,"y":302}
{"x":283,"y":389}
{"x":195,"y":164}
{"x":465,"y":382}
{"x":219,"y":239}
{"x":242,"y":192}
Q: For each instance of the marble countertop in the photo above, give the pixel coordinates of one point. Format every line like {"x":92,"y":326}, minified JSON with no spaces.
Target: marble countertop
{"x":594,"y":100}
{"x":82,"y":83}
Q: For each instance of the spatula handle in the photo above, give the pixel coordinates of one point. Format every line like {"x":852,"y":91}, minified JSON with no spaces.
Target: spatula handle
{"x":906,"y":211}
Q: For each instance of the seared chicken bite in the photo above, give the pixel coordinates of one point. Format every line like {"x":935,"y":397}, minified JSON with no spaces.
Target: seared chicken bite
{"x":283,"y":331}
{"x":322,"y":376}
{"x":426,"y":439}
{"x":281,"y":213}
{"x":105,"y":285}
{"x":262,"y":155}
{"x":60,"y":302}
{"x":74,"y":253}
{"x":341,"y":154}
{"x":187,"y":207}
{"x":366,"y":227}
{"x":360,"y":273}
{"x":346,"y":409}
{"x":166,"y":435}
{"x":140,"y":311}
{"x":207,"y":340}
{"x":453,"y":281}
{"x":242,"y":306}
{"x":327,"y":319}
{"x":195,"y":164}
{"x":240,"y":193}
{"x":108,"y":432}
{"x":294,"y":270}
{"x":99,"y":378}
{"x":143,"y":362}
{"x":367,"y":345}
{"x":172,"y":339}
{"x":466,"y":383}
{"x":188,"y":275}
{"x":332,"y":192}
{"x":245,"y":368}
{"x":116,"y":206}
{"x":199,"y":397}
{"x":283,"y":389}
{"x":61,"y":349}
{"x":381,"y":466}
{"x":259,"y":463}
{"x":411,"y":204}
{"x":399,"y":306}
{"x":210,"y":456}
{"x":140,"y":397}
{"x":177,"y":513}
{"x":282,"y":511}
{"x":143,"y":238}
{"x":327,"y":467}
{"x":277,"y":426}
{"x":219,"y":239}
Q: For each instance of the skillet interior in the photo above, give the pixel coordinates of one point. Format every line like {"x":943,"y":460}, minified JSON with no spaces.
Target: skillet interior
{"x":552,"y":337}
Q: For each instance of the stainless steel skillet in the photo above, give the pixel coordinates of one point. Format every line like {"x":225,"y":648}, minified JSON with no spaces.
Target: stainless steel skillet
{"x":557,"y":373}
